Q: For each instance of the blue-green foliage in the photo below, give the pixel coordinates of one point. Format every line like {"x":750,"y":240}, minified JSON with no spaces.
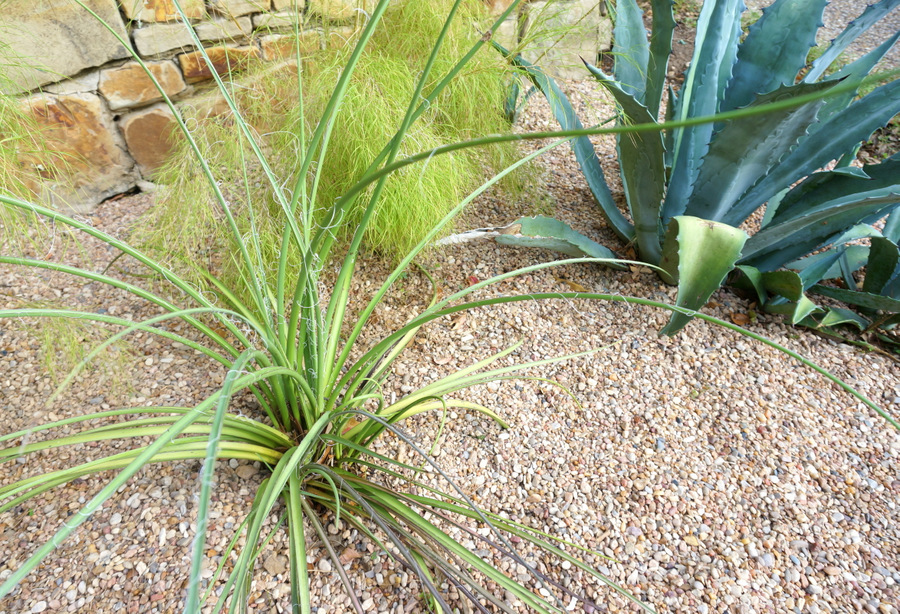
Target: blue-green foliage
{"x":726,"y":171}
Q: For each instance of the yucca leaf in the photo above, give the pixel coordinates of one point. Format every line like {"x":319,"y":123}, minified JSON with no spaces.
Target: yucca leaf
{"x":582,"y":146}
{"x":293,"y":498}
{"x":858,"y":26}
{"x":642,"y":169}
{"x":661,"y":32}
{"x":698,"y":254}
{"x":631,"y":49}
{"x":774,"y":50}
{"x":715,"y":48}
{"x":835,"y":136}
{"x":207,"y":471}
{"x":745,"y":149}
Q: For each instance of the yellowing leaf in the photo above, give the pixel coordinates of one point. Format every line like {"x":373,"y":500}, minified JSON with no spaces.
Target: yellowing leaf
{"x":573,"y":285}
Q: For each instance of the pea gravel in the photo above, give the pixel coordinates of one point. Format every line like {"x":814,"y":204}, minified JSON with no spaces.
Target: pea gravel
{"x":715,"y":473}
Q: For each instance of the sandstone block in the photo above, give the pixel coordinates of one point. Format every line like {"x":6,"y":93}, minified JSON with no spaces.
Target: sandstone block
{"x":224,"y":29}
{"x":151,"y":135}
{"x":85,"y":82}
{"x":282,"y":20}
{"x":213,"y":104}
{"x":224,"y":59}
{"x":161,"y":10}
{"x":129,"y":85}
{"x":159,"y":38}
{"x":287,"y":5}
{"x":79,"y":41}
{"x":340,"y":10}
{"x":279,"y":46}
{"x":581,"y":21}
{"x":81,"y":130}
{"x":236,"y":8}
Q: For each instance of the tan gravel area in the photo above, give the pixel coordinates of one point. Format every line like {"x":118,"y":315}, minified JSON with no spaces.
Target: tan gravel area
{"x":717,"y":474}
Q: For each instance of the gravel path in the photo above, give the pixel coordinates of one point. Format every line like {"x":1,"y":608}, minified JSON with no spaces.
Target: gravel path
{"x":720,"y":475}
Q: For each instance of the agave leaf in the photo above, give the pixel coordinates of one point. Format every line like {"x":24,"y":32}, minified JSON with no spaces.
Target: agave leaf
{"x":783,"y":283}
{"x":860,"y":299}
{"x":796,"y":312}
{"x":856,"y":256}
{"x":837,"y":261}
{"x":698,"y":254}
{"x":838,"y":134}
{"x":582,"y":146}
{"x":854,"y":72}
{"x":643,"y":171}
{"x":750,"y":278}
{"x":772,"y":247}
{"x":788,"y":288}
{"x":662,"y":30}
{"x":715,"y":49}
{"x":872,"y":14}
{"x":552,"y":234}
{"x":838,"y":316}
{"x":884,"y":257}
{"x":816,"y":191}
{"x":745,"y":149}
{"x":891,"y":229}
{"x":631,"y":49}
{"x":774,"y":51}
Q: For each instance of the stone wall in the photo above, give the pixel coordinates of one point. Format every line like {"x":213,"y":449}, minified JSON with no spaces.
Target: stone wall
{"x":103,"y":114}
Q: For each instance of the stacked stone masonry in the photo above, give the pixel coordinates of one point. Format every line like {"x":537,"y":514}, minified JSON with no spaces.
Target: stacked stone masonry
{"x":106,"y":117}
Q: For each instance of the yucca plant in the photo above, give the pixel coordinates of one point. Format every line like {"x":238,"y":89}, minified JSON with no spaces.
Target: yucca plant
{"x":690,"y":188}
{"x":294,"y":346}
{"x":295,"y":350}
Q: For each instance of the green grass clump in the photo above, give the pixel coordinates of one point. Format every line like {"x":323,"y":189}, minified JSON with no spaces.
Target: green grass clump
{"x":183,"y":225}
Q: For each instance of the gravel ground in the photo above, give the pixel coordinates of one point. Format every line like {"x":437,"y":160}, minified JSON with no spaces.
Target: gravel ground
{"x":720,"y":475}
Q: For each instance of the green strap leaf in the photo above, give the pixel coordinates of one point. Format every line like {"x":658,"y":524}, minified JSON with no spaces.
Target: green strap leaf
{"x":698,"y":254}
{"x":774,"y":51}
